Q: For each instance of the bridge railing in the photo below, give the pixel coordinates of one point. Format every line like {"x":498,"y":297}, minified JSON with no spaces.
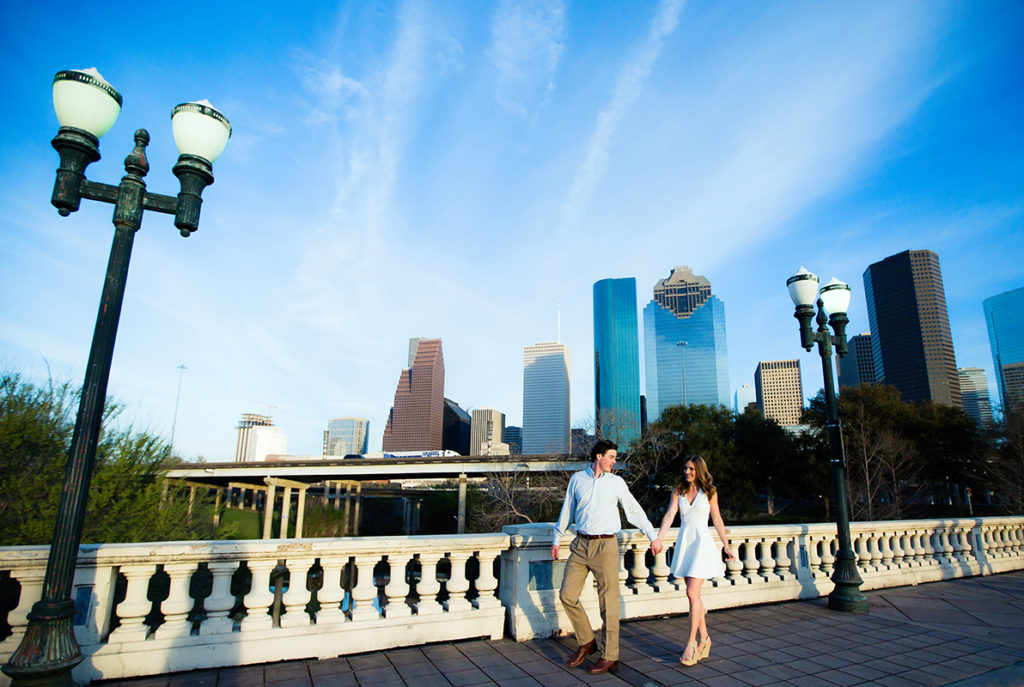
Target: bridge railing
{"x":156,"y":608}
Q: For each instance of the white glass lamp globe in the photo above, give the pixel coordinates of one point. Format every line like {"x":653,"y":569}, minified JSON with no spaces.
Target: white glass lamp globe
{"x":835,"y":296}
{"x":83,"y":99}
{"x":803,"y":287}
{"x":200,"y":129}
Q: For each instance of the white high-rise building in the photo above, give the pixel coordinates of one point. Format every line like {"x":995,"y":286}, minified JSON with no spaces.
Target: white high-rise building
{"x":780,"y":391}
{"x":546,"y":399}
{"x":243,"y":444}
{"x":485,"y":433}
{"x":266,"y":441}
{"x":974,"y":391}
{"x":346,"y":435}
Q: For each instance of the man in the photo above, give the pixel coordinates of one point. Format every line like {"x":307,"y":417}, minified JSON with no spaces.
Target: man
{"x":591,"y":502}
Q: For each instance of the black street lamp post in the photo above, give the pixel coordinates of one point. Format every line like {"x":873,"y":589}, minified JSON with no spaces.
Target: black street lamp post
{"x":87,"y":107}
{"x":833,"y":299}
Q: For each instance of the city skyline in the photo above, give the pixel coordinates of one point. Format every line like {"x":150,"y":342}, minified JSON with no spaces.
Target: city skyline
{"x":470,"y":171}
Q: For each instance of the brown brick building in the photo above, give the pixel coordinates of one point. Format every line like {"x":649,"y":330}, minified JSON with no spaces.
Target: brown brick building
{"x":416,"y":421}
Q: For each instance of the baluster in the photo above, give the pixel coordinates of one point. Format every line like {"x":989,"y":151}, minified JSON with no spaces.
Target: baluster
{"x":899,"y":553}
{"x":766,"y":564}
{"x":945,"y":545}
{"x":220,"y":601}
{"x":640,"y":571}
{"x":988,"y":537}
{"x":364,"y":593}
{"x":733,"y":570}
{"x":624,"y":588}
{"x":31,"y":581}
{"x":429,"y":586}
{"x":260,"y":597}
{"x":860,"y":547}
{"x":885,"y":550}
{"x":828,"y":556}
{"x":920,"y":551}
{"x":661,"y":570}
{"x":178,"y":603}
{"x":750,"y":562}
{"x":487,"y":583}
{"x":135,"y":607}
{"x":458,"y":584}
{"x":397,"y":587}
{"x":783,"y":563}
{"x":813,"y":558}
{"x":930,"y":549}
{"x":297,"y":596}
{"x":874,"y":550}
{"x":1014,"y":532}
{"x":331,"y":593}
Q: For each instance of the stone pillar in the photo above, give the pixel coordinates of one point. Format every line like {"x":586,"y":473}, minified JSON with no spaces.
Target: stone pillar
{"x":286,"y":511}
{"x":216,"y":507}
{"x":416,"y":517}
{"x":462,"y":504}
{"x":268,"y":511}
{"x":300,"y":513}
{"x":337,"y":495}
{"x":191,"y":499}
{"x":359,"y":501}
{"x":348,"y":500}
{"x":255,"y":497}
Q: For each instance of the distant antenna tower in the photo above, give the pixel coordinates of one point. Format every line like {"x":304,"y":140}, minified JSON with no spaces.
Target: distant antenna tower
{"x":270,"y":416}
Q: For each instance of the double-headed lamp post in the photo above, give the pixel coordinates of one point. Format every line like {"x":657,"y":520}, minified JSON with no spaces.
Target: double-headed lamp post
{"x":87,"y":107}
{"x":832,"y":301}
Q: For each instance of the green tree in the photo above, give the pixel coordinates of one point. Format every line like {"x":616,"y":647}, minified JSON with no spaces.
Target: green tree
{"x":126,"y":496}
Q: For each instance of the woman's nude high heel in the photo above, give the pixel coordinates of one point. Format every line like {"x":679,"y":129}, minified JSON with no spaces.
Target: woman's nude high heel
{"x":704,"y":650}
{"x":694,"y":657}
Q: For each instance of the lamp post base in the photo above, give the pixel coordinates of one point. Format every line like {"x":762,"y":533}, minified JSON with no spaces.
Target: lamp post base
{"x":48,"y":651}
{"x":848,"y":601}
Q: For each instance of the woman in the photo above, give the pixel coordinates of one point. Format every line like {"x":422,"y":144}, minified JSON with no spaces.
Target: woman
{"x":696,"y":557}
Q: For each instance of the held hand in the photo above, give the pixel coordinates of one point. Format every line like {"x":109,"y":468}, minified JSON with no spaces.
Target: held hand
{"x":657,"y":546}
{"x":554,"y":552}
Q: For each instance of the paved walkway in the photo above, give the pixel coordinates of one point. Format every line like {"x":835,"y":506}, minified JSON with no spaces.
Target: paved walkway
{"x":967,"y":633}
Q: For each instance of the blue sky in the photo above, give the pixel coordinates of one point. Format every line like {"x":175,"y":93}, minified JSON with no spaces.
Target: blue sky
{"x":464,"y":170}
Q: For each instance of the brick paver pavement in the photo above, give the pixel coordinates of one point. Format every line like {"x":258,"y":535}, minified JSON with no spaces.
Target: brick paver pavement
{"x":966,"y":633}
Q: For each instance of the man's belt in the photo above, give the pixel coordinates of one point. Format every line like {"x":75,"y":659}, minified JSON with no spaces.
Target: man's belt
{"x":595,"y":536}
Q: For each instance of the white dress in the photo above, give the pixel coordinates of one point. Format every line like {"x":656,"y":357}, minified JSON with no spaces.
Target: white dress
{"x":696,"y":553}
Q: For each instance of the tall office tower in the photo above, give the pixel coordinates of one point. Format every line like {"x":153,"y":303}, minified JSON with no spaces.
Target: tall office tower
{"x":513,"y":436}
{"x":858,"y":365}
{"x":684,"y":343}
{"x":266,"y":441}
{"x":780,"y":391}
{"x":546,"y":399}
{"x":974,"y":391}
{"x":616,"y":361}
{"x":346,"y":435}
{"x":1004,"y":315}
{"x":910,"y":338}
{"x":416,"y":420}
{"x":1013,"y":397}
{"x":485,"y":438}
{"x":745,"y":396}
{"x":245,"y":437}
{"x":455,"y":433}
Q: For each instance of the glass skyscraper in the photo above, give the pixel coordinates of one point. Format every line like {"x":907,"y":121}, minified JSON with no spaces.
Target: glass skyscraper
{"x":1004,"y":315}
{"x":347,"y":435}
{"x":616,"y":361}
{"x":546,"y":399}
{"x":686,"y":359}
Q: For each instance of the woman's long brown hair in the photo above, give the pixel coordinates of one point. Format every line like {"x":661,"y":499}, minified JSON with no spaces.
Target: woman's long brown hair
{"x":701,"y":477}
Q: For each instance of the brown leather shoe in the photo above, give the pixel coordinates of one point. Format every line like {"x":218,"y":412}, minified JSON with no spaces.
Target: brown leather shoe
{"x":604,"y":666}
{"x":581,"y":653}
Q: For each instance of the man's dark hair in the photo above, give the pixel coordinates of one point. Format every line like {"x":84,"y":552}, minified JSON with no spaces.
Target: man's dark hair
{"x":602,"y":446}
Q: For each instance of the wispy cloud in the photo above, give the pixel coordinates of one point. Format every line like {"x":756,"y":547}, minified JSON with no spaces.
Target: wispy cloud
{"x":627,"y":89}
{"x":527,"y":43}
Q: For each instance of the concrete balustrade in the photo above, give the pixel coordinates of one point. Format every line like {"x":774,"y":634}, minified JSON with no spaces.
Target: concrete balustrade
{"x":773,"y":563}
{"x":142,"y":609}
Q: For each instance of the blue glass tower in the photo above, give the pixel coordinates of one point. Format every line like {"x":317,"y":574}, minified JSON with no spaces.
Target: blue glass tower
{"x":1004,"y":315}
{"x":616,"y":361}
{"x":686,"y":359}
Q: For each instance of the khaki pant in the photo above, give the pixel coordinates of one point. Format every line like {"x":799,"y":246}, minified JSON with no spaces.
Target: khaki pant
{"x":601,"y":557}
